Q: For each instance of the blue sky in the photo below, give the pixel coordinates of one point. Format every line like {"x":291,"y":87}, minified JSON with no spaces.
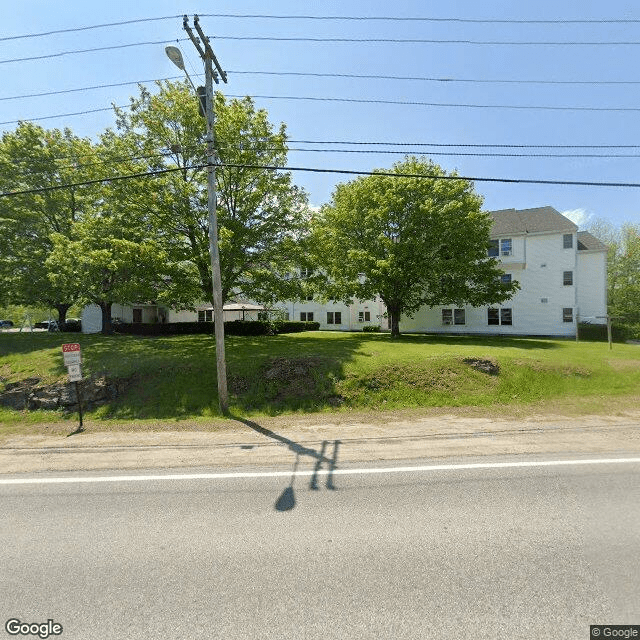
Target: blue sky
{"x":370,"y":122}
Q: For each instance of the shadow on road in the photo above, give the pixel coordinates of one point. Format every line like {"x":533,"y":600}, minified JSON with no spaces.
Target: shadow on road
{"x":287,"y":501}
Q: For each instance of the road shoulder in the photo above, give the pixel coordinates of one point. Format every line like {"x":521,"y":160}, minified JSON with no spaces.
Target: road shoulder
{"x":340,"y":439}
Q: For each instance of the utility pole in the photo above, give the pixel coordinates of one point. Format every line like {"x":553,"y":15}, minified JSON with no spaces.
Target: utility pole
{"x":209,"y":58}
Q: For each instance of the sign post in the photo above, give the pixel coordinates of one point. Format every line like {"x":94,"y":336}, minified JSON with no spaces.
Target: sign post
{"x":73,"y":361}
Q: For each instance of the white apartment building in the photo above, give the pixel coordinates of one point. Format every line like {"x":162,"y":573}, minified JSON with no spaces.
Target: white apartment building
{"x":562,"y":274}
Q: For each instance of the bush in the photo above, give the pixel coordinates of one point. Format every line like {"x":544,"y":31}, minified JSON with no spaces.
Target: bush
{"x":231,"y":328}
{"x":249,"y":328}
{"x":295,"y":326}
{"x":371,"y":328}
{"x":598,"y":332}
{"x":165,"y":329}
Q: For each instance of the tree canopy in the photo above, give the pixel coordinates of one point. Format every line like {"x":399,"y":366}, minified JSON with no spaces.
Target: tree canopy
{"x":413,"y":241}
{"x":261,"y":214}
{"x":623,"y":267}
{"x":34,"y":158}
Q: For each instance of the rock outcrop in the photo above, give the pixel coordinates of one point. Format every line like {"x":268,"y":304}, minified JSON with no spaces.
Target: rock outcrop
{"x":31,"y":394}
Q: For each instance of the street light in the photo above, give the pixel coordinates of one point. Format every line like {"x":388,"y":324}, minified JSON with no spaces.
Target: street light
{"x":174,"y":54}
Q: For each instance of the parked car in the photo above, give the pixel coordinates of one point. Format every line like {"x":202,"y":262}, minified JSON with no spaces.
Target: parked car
{"x":49,"y":325}
{"x":6,"y":324}
{"x":72,"y":325}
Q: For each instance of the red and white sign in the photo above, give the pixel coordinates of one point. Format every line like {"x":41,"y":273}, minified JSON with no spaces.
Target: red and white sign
{"x":71,"y":353}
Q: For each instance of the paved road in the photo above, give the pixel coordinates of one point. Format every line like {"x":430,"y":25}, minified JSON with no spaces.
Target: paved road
{"x":524,"y":552}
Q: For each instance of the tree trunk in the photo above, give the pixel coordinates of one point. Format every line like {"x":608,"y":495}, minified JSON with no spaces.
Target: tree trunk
{"x":107,"y":327}
{"x":394,"y":319}
{"x":62,"y":313}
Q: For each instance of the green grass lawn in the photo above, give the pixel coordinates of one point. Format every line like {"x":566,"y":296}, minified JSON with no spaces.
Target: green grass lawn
{"x":173,"y":378}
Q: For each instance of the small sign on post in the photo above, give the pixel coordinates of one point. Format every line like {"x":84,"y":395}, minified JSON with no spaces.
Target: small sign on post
{"x":73,"y":361}
{"x":75,"y":372}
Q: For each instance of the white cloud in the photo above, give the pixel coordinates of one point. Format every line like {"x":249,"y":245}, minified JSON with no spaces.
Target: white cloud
{"x":579,"y":216}
{"x":314,"y":208}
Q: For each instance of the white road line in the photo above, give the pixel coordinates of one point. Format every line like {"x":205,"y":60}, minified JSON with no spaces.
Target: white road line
{"x":319,"y":472}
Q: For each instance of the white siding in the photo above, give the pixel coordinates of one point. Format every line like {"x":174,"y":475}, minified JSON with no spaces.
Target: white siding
{"x":349,"y":313}
{"x":538,"y":263}
{"x":182,"y":316}
{"x":91,"y":319}
{"x":592,"y":286}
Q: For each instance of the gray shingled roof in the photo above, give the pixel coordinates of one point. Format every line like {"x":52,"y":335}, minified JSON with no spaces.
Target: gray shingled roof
{"x":587,"y":242}
{"x":538,"y":220}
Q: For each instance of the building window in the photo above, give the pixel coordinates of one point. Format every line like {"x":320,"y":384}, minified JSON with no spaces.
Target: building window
{"x":205,"y":316}
{"x":364,"y":316}
{"x":505,"y":247}
{"x":544,"y":300}
{"x":494,"y":250}
{"x":502,"y":316}
{"x":505,"y":278}
{"x":567,"y":241}
{"x":137,"y":315}
{"x":334,"y":317}
{"x":447,"y":316}
{"x":567,"y":278}
{"x":306,"y":316}
{"x":567,"y":314}
{"x":458,"y":316}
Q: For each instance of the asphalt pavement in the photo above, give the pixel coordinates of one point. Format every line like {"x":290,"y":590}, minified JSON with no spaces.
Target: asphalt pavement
{"x":322,"y":549}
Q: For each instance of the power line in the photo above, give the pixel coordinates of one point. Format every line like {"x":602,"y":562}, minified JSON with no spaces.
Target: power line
{"x":333,"y":75}
{"x":331,"y":18}
{"x":435,"y":104}
{"x":158,"y":155}
{"x":74,"y":51}
{"x":86,"y":28}
{"x":418,"y":103}
{"x":463,"y":144}
{"x":425,"y":19}
{"x":431,"y":79}
{"x":74,"y":162}
{"x":321,"y":170}
{"x":95,"y":86}
{"x":470,"y":153}
{"x":64,"y":115}
{"x":77,"y":164}
{"x":333,"y":40}
{"x":548,"y":43}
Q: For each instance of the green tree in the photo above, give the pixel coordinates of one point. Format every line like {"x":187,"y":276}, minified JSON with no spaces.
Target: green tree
{"x":623,"y":267}
{"x":106,"y":261}
{"x":262,"y":215}
{"x":412,"y":241}
{"x":116,"y":253}
{"x":33,"y":158}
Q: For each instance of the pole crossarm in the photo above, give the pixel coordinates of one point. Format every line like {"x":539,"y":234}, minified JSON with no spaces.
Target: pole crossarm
{"x":209,"y":50}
